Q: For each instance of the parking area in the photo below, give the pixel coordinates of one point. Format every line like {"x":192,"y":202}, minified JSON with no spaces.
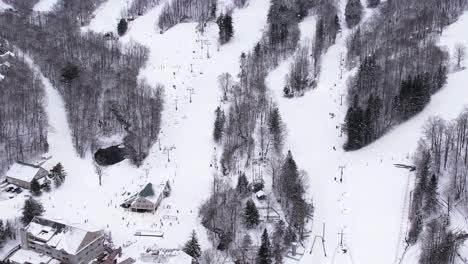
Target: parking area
{"x":9,"y":191}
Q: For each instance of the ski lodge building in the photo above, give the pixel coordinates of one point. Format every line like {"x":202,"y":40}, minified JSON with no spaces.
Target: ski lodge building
{"x":47,"y":241}
{"x":148,"y":199}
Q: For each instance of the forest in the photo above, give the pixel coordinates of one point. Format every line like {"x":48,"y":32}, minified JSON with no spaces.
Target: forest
{"x":97,"y":78}
{"x":23,"y":121}
{"x":250,"y":132}
{"x":399,"y":65}
{"x":440,"y":191}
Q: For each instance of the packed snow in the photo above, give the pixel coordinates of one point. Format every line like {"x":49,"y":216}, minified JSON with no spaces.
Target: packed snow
{"x":364,"y":215}
{"x":361,"y":199}
{"x":4,"y":6}
{"x":181,"y":59}
{"x":44,"y":5}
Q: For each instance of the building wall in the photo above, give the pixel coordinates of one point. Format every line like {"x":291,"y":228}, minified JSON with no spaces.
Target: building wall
{"x":18,"y":182}
{"x":88,"y":253}
{"x":142,"y":204}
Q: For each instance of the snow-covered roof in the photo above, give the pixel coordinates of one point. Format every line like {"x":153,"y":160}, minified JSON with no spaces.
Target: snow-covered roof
{"x":150,"y":191}
{"x":61,"y":236}
{"x":29,"y":256}
{"x":260,"y":194}
{"x":23,"y":171}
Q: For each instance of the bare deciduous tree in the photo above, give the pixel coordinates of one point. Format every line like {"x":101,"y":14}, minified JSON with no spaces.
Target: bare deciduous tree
{"x":460,"y":54}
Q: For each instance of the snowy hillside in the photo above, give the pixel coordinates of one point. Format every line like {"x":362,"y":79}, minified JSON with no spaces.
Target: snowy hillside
{"x":361,"y":198}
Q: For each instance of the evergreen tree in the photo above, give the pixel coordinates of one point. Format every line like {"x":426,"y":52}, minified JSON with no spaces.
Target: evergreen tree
{"x":242,"y":184}
{"x":276,"y":129}
{"x":337,"y":23}
{"x":219,"y":124}
{"x":354,"y":125}
{"x":353,"y":12}
{"x":373,"y":3}
{"x":58,"y":173}
{"x":251,"y":216}
{"x":35,"y":187}
{"x":264,"y":252}
{"x":192,"y":247}
{"x":31,"y":209}
{"x":228,"y":27}
{"x":122,"y":27}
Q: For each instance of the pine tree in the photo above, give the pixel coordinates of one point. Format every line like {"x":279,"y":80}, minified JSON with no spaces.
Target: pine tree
{"x":353,"y":12}
{"x":31,"y":209}
{"x":373,"y":3}
{"x":35,"y":187}
{"x":228,"y":27}
{"x":251,"y":216}
{"x":242,"y":184}
{"x":59,"y":174}
{"x":122,"y":27}
{"x":337,"y":23}
{"x":192,"y":247}
{"x":354,"y":124}
{"x":276,"y":129}
{"x":264,"y":252}
{"x":222,"y":30}
{"x":219,"y":124}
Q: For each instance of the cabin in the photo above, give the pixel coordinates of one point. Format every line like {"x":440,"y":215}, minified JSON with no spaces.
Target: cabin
{"x":22,"y":174}
{"x":148,"y":198}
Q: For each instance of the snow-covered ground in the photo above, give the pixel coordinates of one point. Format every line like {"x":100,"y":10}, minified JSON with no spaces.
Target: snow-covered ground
{"x":44,"y":5}
{"x":178,"y":59}
{"x":4,"y":5}
{"x":107,"y":16}
{"x":370,"y":206}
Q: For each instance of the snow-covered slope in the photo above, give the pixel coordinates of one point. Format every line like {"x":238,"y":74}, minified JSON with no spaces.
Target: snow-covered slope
{"x":178,"y":59}
{"x":44,"y":5}
{"x":4,"y":6}
{"x":367,"y":208}
{"x":370,"y":206}
{"x":107,"y":16}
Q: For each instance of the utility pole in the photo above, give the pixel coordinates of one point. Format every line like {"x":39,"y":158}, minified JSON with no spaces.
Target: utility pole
{"x":191,"y":67}
{"x":176,"y":108}
{"x":191,"y":91}
{"x":341,"y":99}
{"x":341,"y":173}
{"x":341,"y":237}
{"x":168,"y":150}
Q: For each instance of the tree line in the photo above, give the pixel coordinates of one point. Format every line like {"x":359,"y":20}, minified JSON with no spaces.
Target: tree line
{"x":178,"y":11}
{"x":440,"y":190}
{"x":97,"y":79}
{"x":249,"y":129}
{"x":305,"y":69}
{"x":400,"y":65}
{"x":23,"y":121}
